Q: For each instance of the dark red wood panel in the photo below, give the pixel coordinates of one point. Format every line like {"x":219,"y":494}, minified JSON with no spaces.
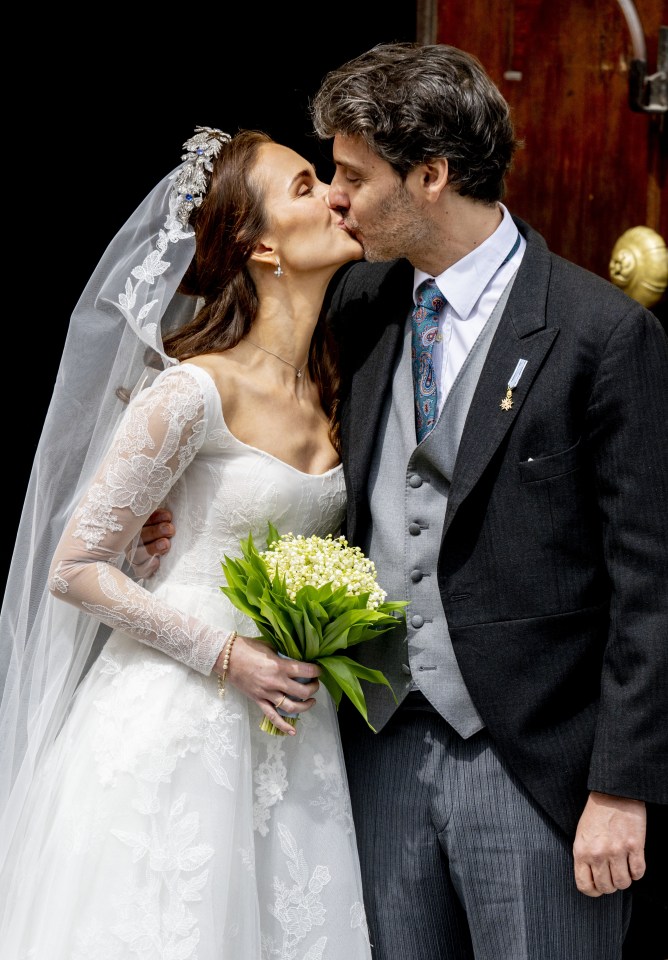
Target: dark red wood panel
{"x":590,"y":167}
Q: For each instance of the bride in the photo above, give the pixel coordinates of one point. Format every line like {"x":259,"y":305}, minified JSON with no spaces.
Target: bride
{"x":144,"y":813}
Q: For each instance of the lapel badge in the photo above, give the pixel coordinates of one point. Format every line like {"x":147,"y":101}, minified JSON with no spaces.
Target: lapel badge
{"x":507,"y":401}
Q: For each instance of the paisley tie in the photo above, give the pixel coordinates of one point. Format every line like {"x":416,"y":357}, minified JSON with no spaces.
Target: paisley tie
{"x":430,"y":301}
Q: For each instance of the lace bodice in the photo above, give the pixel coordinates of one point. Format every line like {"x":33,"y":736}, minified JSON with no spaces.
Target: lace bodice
{"x":174,"y":448}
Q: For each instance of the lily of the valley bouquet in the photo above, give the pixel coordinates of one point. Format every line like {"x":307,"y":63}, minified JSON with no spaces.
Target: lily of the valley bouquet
{"x":312,"y":598}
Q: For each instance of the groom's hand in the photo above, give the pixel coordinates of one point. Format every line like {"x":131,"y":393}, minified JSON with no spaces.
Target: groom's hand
{"x":609,"y":848}
{"x":155,"y":541}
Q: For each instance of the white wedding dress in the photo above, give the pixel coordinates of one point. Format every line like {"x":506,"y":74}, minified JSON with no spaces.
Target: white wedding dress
{"x":164,"y":825}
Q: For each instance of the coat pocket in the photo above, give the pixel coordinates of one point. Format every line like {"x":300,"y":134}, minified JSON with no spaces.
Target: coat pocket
{"x":554,"y":465}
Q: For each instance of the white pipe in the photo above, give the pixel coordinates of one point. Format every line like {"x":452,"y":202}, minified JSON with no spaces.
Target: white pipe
{"x":635,"y":28}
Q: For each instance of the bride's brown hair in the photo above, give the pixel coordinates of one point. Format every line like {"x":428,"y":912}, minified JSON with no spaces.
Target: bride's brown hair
{"x":228,"y":225}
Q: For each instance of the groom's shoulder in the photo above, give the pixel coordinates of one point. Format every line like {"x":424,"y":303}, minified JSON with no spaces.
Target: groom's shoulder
{"x":367,"y":281}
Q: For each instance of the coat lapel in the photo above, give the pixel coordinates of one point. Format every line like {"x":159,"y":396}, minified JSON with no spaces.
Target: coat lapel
{"x":521,"y":334}
{"x":372,"y":380}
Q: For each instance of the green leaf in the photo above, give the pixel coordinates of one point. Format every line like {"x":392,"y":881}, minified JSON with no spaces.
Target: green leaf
{"x":337,"y":634}
{"x":297,"y":621}
{"x":275,"y":642}
{"x":315,"y":612}
{"x":234,"y":573}
{"x":283,"y":632}
{"x":279,"y":588}
{"x":371,"y":676}
{"x":341,"y":601}
{"x":238,"y":598}
{"x":345,"y":672}
{"x":256,"y":589}
{"x":312,"y":636}
{"x":307,"y":594}
{"x":248,"y":547}
{"x":367,"y":631}
{"x":389,"y":605}
{"x":273,"y":535}
{"x":332,"y":685}
{"x":253,"y":562}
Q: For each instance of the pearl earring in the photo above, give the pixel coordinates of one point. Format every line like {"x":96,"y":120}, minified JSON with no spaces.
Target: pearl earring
{"x":278,"y":272}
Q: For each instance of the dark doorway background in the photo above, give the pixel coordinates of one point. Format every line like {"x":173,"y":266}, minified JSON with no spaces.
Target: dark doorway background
{"x":110,"y":109}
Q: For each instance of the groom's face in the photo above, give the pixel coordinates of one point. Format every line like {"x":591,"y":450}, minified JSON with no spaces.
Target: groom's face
{"x":380,"y":209}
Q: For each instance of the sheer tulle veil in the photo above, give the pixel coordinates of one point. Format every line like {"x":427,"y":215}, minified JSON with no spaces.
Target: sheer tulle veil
{"x":113,"y":347}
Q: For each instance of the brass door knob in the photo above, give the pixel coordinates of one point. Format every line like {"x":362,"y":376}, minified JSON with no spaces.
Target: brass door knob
{"x":639,"y":265}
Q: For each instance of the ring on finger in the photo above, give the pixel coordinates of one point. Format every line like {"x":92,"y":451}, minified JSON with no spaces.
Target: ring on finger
{"x":281,"y":700}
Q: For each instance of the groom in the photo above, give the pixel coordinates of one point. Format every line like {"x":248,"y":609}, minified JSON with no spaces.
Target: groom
{"x":504,"y":429}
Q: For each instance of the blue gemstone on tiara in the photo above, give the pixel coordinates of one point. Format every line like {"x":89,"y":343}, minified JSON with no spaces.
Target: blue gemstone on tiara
{"x":191,"y":183}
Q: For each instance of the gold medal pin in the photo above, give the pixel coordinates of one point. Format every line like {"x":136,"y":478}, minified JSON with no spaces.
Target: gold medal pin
{"x":507,"y":401}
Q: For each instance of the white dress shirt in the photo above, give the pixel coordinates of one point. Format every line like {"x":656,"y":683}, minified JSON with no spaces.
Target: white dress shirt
{"x":472,"y":288}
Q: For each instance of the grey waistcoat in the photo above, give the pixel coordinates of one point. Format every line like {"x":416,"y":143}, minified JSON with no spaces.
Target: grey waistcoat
{"x":408,"y":492}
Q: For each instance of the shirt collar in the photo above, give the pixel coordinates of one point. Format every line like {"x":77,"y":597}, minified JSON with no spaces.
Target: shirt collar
{"x":463,"y":283}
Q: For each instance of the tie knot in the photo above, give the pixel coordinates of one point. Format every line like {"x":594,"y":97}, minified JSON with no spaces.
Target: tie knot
{"x":429,"y":296}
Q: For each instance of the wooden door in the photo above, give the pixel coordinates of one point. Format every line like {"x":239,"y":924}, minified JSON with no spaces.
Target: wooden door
{"x":590,"y":168}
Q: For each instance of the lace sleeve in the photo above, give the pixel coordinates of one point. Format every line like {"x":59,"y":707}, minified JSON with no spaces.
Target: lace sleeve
{"x":157,"y":439}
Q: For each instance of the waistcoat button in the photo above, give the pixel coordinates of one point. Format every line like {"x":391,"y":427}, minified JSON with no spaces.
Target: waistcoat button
{"x":417,"y":621}
{"x":406,"y":669}
{"x":415,"y":480}
{"x":414,"y":529}
{"x":416,"y":575}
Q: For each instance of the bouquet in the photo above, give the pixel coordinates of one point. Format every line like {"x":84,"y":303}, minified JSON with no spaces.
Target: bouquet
{"x":311,"y":598}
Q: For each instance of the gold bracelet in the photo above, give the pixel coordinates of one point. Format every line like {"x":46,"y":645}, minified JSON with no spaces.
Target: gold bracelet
{"x":226,"y":662}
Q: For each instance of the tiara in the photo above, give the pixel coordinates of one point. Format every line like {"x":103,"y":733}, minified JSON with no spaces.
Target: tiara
{"x":188,"y":191}
{"x":191,"y":182}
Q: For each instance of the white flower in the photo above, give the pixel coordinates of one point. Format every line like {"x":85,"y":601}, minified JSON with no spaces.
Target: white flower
{"x":314,"y":561}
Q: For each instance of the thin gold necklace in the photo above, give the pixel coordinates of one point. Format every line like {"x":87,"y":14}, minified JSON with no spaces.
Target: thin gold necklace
{"x":298,"y":370}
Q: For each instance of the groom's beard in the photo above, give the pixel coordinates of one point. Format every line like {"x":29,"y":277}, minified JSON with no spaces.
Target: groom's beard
{"x":395,"y":229}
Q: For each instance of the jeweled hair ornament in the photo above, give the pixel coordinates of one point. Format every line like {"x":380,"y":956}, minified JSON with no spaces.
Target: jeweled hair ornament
{"x":129,"y":304}
{"x":189,"y":185}
{"x":192,"y":180}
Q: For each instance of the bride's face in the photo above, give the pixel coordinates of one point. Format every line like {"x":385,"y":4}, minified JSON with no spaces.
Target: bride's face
{"x":304,"y":231}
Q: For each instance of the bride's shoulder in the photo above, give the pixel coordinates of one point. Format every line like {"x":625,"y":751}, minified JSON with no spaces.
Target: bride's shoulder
{"x":217,"y":365}
{"x":187,"y":379}
{"x":224,"y":372}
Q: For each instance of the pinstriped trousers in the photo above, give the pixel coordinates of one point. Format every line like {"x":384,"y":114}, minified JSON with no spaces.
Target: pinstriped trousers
{"x":458,"y":861}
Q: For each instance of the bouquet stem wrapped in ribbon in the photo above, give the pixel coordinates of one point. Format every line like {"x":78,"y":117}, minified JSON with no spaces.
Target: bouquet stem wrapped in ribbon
{"x":311,"y":598}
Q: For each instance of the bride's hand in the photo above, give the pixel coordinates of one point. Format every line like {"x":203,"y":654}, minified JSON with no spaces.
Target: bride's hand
{"x":155,"y":541}
{"x":256,"y":670}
